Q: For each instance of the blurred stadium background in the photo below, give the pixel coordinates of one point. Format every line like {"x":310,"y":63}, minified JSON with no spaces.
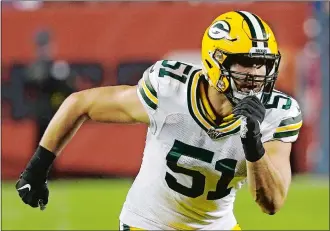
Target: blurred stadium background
{"x":50,"y":49}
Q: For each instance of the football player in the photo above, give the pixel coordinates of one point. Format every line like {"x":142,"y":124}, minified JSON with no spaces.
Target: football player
{"x":210,"y":129}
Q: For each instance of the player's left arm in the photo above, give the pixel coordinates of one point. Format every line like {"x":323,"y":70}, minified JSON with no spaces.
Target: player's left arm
{"x":269,"y":177}
{"x":268,"y":154}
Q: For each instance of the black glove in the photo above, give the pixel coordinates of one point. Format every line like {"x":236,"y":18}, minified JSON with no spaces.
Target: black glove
{"x":32,"y":184}
{"x":252,"y":113}
{"x":32,"y":193}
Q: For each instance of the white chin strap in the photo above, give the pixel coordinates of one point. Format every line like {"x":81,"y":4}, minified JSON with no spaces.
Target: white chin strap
{"x":240,"y":95}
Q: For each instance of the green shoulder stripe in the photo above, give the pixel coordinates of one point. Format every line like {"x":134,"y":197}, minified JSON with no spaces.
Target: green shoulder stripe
{"x":146,"y":99}
{"x":149,"y":86}
{"x":286,"y":134}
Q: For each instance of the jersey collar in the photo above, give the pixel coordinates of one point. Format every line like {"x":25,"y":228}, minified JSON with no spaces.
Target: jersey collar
{"x":198,"y":110}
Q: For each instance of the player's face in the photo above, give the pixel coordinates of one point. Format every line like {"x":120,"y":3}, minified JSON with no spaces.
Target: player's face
{"x":244,"y":80}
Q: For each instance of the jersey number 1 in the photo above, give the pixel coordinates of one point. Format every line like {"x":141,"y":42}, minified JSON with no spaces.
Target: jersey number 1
{"x":225,"y":166}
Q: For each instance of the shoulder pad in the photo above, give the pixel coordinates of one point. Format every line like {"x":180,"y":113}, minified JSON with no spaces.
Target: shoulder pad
{"x":283,"y":119}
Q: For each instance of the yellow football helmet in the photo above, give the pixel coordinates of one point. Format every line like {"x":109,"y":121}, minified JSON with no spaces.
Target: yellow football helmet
{"x":239,"y":35}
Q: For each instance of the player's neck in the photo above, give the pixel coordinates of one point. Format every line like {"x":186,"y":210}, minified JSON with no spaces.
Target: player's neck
{"x":219,"y":102}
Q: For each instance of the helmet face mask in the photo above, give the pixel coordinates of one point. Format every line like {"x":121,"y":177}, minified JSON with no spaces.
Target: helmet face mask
{"x":236,"y":63}
{"x":243,"y":83}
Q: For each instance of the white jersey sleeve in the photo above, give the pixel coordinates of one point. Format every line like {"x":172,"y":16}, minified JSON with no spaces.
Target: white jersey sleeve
{"x":147,"y":89}
{"x":283,"y":119}
{"x":162,"y":87}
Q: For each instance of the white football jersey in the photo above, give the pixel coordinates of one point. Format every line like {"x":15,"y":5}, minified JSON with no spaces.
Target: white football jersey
{"x":191,"y":168}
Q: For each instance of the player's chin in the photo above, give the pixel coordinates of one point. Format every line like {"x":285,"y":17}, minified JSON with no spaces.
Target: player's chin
{"x":242,"y":94}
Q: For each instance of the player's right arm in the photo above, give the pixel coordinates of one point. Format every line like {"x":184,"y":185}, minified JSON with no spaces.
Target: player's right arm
{"x":115,"y":104}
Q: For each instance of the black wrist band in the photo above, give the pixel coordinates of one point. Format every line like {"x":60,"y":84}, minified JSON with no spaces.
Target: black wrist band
{"x":253,"y":148}
{"x":39,"y":164}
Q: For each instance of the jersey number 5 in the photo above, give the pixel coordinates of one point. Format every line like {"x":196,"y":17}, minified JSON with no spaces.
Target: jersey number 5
{"x":225,"y":166}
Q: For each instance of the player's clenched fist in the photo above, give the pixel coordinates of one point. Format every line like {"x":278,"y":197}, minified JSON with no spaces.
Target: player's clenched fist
{"x":34,"y":194}
{"x":32,"y":184}
{"x":252,"y":113}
